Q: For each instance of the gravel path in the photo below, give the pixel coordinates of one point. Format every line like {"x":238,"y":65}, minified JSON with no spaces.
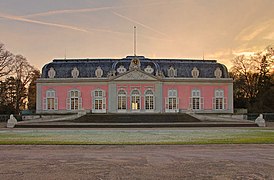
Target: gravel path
{"x":137,"y":162}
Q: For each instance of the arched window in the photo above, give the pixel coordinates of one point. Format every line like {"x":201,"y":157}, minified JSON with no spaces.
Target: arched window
{"x":98,"y":101}
{"x":74,"y":100}
{"x":122,"y":100}
{"x":172,"y":101}
{"x":51,"y":101}
{"x":135,"y":100}
{"x":149,"y":100}
{"x":218,"y":100}
{"x":196,"y":102}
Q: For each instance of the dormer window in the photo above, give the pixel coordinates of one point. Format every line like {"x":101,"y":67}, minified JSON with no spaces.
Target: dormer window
{"x":172,"y":72}
{"x":121,"y":69}
{"x":99,"y":72}
{"x":149,"y":69}
{"x":218,"y":73}
{"x":75,"y":73}
{"x":195,"y":72}
{"x":51,"y":73}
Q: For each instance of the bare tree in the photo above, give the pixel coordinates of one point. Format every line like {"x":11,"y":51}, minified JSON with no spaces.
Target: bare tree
{"x":23,"y":73}
{"x":6,"y":61}
{"x":252,"y":76}
{"x":32,"y":90}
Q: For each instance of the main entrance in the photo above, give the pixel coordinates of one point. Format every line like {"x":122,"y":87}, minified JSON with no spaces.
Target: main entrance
{"x":135,"y":100}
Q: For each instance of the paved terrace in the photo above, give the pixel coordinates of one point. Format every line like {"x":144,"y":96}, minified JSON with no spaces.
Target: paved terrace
{"x":137,"y":162}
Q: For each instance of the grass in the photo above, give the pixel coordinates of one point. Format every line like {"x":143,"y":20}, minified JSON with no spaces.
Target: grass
{"x":135,"y":136}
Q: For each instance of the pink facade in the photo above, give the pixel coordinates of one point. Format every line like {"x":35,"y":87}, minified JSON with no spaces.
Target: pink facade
{"x":134,"y":85}
{"x":184,"y":94}
{"x":62,"y":93}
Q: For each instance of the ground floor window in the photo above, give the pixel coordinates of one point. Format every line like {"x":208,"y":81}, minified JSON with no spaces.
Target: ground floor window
{"x":219,"y":100}
{"x":50,"y":101}
{"x":122,"y":100}
{"x":195,"y":103}
{"x":74,"y":102}
{"x":98,"y":104}
{"x":99,"y":100}
{"x":172,"y":101}
{"x":135,"y":100}
{"x":196,"y":100}
{"x":149,"y":100}
{"x":219,"y":103}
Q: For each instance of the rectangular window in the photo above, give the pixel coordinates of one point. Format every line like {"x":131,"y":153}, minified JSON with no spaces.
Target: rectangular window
{"x":149,"y":104}
{"x":74,"y":103}
{"x":196,"y":103}
{"x":98,"y":104}
{"x":98,"y":93}
{"x":219,"y":103}
{"x":172,"y":103}
{"x":135,"y":103}
{"x":121,"y":102}
{"x":50,"y":103}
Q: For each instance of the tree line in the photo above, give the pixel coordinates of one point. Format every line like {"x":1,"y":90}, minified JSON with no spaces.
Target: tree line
{"x":17,"y":83}
{"x":254,"y":81}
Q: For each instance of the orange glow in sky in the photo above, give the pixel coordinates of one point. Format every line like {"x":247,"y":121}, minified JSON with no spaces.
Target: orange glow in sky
{"x":42,"y":30}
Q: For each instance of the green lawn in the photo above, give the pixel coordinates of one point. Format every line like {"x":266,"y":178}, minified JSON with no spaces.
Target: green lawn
{"x":135,"y":136}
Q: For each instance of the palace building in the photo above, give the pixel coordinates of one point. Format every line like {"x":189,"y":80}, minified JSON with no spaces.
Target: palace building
{"x":134,"y":84}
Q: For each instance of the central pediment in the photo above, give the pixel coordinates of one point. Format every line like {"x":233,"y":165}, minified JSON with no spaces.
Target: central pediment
{"x":135,"y":75}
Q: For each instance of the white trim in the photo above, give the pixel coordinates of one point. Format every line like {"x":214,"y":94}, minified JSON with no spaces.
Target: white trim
{"x":140,"y":100}
{"x":153,"y":102}
{"x":172,"y":93}
{"x":101,"y":96}
{"x":69,"y":97}
{"x":50,"y":94}
{"x":121,"y":95}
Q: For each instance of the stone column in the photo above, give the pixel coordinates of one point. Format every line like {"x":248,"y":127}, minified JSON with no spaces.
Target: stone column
{"x":158,"y":97}
{"x":112,"y":98}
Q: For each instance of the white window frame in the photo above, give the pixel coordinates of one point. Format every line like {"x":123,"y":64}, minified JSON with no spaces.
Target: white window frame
{"x":149,"y":95}
{"x":122,"y":96}
{"x":134,"y":96}
{"x":50,"y":94}
{"x":172,"y":101}
{"x":75,"y":98}
{"x":219,"y":101}
{"x":98,"y":95}
{"x":196,"y":99}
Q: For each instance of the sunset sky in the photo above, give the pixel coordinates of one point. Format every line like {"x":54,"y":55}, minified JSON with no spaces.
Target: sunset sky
{"x":42,"y":30}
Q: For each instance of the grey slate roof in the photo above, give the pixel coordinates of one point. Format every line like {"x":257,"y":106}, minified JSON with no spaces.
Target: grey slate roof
{"x":87,"y":67}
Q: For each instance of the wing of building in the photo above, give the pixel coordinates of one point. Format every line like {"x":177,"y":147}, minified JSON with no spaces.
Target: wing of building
{"x":134,"y":84}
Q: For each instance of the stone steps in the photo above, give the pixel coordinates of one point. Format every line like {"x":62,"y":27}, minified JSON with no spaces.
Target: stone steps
{"x":134,"y":125}
{"x":135,"y":118}
{"x":134,"y":121}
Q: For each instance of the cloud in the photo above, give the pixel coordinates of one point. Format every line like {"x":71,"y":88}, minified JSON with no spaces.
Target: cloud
{"x":68,"y":11}
{"x":254,"y":31}
{"x":269,"y":36}
{"x":253,"y":34}
{"x":75,"y":28}
{"x":22,"y":19}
